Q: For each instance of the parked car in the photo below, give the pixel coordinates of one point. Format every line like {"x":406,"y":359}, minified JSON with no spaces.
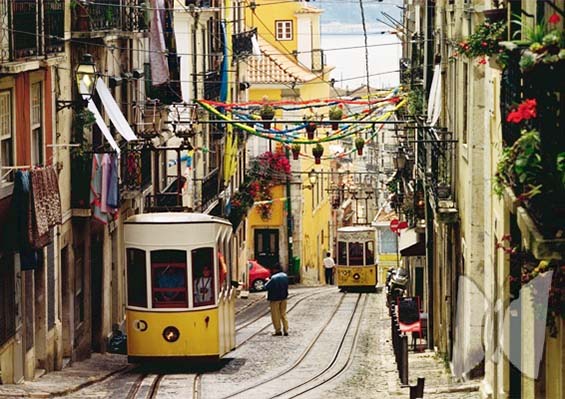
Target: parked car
{"x":258,"y":275}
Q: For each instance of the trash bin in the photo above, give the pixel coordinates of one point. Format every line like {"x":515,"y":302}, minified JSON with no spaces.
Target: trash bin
{"x":295,"y":268}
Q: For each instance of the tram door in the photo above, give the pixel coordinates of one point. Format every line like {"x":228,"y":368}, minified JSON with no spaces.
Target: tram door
{"x":266,"y":243}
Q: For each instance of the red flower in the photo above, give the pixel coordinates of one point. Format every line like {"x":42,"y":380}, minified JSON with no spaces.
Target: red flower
{"x":526,"y":110}
{"x":554,"y":19}
{"x":482,"y":61}
{"x":484,"y":44}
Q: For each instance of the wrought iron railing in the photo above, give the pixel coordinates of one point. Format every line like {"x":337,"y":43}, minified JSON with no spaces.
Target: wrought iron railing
{"x":242,"y":44}
{"x":122,"y":15}
{"x":134,"y":16}
{"x":435,"y":161}
{"x":30,"y":29}
{"x":210,"y":188}
{"x":212,"y":85}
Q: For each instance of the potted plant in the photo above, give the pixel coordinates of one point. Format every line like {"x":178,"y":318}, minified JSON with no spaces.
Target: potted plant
{"x":335,"y":114}
{"x":295,"y":151}
{"x":359,"y":144}
{"x":483,"y":41}
{"x":317,"y":151}
{"x":310,"y":127}
{"x":267,"y":113}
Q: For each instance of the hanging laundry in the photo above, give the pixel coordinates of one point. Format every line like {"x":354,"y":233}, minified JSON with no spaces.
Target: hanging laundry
{"x":113,"y":198}
{"x":54,"y":215}
{"x":113,"y":110}
{"x":157,"y":48}
{"x":38,"y":223}
{"x":96,"y":189}
{"x":105,"y":182}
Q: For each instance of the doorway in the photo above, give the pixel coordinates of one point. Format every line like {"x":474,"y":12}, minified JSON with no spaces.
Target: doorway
{"x":96,"y":264}
{"x":266,"y":245}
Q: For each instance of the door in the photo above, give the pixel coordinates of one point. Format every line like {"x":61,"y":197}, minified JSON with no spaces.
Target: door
{"x":96,"y":264}
{"x":266,"y":242}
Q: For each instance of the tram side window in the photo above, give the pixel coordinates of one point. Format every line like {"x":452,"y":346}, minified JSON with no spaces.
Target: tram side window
{"x":356,"y":254}
{"x":203,"y":276}
{"x":342,"y":253}
{"x":370,"y":253}
{"x":136,"y":277}
{"x":168,"y":278}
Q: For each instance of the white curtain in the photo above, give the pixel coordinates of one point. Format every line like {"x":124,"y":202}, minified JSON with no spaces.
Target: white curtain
{"x":434,"y":101}
{"x":113,"y":110}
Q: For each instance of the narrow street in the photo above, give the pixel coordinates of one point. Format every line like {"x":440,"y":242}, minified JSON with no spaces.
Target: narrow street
{"x":338,"y":347}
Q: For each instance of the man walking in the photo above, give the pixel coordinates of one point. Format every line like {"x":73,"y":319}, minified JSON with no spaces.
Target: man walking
{"x":329,"y":265}
{"x":277,"y":292}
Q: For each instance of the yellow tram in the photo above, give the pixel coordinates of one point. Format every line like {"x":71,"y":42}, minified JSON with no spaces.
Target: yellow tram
{"x":356,"y":266}
{"x":180,"y":303}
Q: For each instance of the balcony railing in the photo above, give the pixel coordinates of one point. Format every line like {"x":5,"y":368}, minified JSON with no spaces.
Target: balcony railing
{"x":435,"y":163}
{"x":118,"y":15}
{"x":210,"y":188}
{"x":212,"y":85}
{"x":34,"y":28}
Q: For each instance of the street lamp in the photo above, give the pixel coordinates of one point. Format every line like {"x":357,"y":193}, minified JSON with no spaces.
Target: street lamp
{"x":85,"y":75}
{"x":312,"y":178}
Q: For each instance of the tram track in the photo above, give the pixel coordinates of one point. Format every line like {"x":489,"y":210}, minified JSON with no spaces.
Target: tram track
{"x":322,"y":376}
{"x":301,"y":357}
{"x":141,"y":389}
{"x":267,"y":312}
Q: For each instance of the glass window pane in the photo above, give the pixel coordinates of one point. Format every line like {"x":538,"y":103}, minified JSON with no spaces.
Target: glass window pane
{"x":136,"y":277}
{"x":355,"y":254}
{"x":168,"y":279}
{"x":342,"y":253}
{"x":369,"y":253}
{"x":203,"y":276}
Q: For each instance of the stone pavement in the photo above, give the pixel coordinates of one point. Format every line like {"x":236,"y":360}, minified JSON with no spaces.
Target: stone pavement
{"x":70,"y":379}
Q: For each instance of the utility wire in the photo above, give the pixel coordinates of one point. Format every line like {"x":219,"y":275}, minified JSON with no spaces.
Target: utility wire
{"x":366,"y":48}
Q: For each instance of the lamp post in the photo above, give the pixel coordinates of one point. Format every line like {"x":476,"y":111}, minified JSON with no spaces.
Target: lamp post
{"x":85,"y":76}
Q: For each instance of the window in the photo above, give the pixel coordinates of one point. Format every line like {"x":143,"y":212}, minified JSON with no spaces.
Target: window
{"x":465,"y":101}
{"x":356,"y":254}
{"x":203,"y":276}
{"x":168,"y":278}
{"x":6,"y":138}
{"x":284,"y":30}
{"x":136,"y":277}
{"x":369,"y":253}
{"x":36,"y":124}
{"x":342,"y":253}
{"x":387,"y":241}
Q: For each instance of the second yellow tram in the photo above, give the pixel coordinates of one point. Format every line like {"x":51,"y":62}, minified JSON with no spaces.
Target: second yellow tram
{"x":357,"y":263}
{"x":180,"y":302}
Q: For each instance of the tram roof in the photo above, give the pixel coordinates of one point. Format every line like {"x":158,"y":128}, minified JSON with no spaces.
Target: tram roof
{"x":175,"y":218}
{"x":353,"y":229}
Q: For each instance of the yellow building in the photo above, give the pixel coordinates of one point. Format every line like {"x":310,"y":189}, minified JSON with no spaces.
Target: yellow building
{"x":290,"y":67}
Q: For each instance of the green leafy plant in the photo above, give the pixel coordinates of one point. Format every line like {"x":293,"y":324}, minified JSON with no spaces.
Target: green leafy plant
{"x":483,"y":41}
{"x":267,"y":112}
{"x":359,"y":144}
{"x":336,"y":113}
{"x":519,"y":166}
{"x":415,"y":101}
{"x":560,"y":166}
{"x":82,"y":120}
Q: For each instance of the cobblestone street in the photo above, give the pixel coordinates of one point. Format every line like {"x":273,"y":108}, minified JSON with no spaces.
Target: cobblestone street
{"x":371,"y":372}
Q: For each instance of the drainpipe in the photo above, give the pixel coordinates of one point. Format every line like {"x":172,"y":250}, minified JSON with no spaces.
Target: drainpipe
{"x":288,"y":215}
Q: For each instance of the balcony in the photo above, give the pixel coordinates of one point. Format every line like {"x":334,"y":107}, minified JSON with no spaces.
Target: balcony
{"x":536,"y":181}
{"x":242,"y":44}
{"x":135,"y":172}
{"x":35,"y":29}
{"x":212,"y":85}
{"x":210,"y":188}
{"x":435,"y":166}
{"x":113,"y":15}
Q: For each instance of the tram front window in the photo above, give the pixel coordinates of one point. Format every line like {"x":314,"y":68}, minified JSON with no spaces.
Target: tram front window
{"x":355,"y":254}
{"x":203,"y":276}
{"x":168,"y":277}
{"x":369,"y":253}
{"x":137,"y":277}
{"x":342,"y":253}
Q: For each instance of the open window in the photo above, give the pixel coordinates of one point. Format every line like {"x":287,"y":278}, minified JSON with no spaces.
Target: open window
{"x":168,"y":279}
{"x":342,"y":253}
{"x":203,"y":276}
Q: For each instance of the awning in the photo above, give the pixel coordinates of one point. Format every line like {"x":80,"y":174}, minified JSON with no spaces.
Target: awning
{"x":411,"y":243}
{"x":102,"y":125}
{"x":113,"y":110}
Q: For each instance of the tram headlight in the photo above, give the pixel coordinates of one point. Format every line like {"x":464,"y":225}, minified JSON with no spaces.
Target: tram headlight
{"x":171,"y":334}
{"x":356,"y":276}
